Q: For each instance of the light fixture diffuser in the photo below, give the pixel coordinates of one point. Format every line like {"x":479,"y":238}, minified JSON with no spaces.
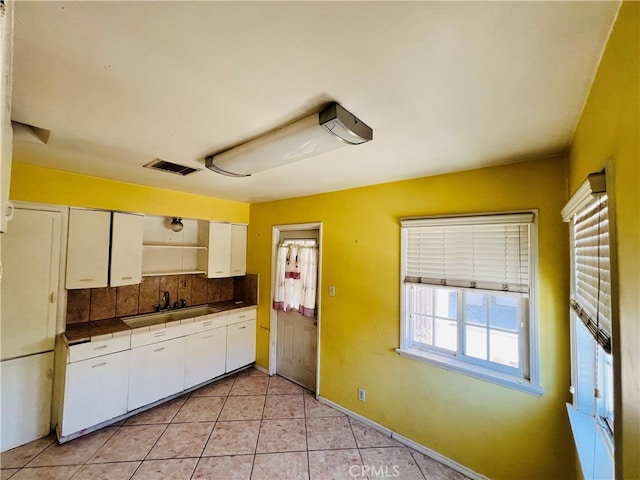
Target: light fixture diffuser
{"x":331,"y":128}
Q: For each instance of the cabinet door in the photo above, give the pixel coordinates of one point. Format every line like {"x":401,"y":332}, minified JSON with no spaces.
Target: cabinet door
{"x":241,"y":344}
{"x":26,"y":399}
{"x":157,"y":371}
{"x":31,"y":268}
{"x":126,"y":249}
{"x":88,"y":248}
{"x":238,"y":250}
{"x":205,"y":356}
{"x":219,"y":250}
{"x":95,"y":391}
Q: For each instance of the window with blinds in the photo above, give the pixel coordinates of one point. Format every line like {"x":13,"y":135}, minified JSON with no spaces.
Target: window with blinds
{"x":591,"y":299}
{"x":466,"y":288}
{"x":485,"y":252}
{"x":591,"y":307}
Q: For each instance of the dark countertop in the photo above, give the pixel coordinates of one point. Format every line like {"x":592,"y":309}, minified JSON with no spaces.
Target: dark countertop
{"x":84,"y":332}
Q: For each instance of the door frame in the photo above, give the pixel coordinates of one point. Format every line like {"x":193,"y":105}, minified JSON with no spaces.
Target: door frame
{"x":273,"y":321}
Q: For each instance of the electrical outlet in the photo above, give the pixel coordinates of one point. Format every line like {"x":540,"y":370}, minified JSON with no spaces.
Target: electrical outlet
{"x":332,"y":290}
{"x":362,"y":394}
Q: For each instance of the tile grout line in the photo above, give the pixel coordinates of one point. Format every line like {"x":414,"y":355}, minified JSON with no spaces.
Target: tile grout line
{"x":306,"y":433}
{"x":204,"y":447}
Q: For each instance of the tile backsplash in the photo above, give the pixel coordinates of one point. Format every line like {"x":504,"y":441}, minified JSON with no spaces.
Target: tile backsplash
{"x":84,"y":305}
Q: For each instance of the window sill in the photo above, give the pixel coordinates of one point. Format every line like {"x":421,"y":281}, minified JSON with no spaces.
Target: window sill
{"x":471,"y":370}
{"x":596,"y":460}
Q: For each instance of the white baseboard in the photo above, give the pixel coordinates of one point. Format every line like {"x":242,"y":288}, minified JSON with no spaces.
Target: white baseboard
{"x":261,"y":369}
{"x":407,"y":441}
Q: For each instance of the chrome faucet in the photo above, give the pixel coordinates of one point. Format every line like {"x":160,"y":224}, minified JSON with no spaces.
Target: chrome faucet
{"x":167,"y":303}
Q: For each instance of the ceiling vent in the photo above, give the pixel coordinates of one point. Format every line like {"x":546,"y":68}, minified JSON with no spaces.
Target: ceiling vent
{"x":170,"y":167}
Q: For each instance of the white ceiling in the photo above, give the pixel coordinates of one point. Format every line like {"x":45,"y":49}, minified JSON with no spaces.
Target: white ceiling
{"x":446,"y":86}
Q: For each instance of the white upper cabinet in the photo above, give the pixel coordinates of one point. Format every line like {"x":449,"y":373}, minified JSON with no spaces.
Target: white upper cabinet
{"x":238,"y":250}
{"x":219,"y":250}
{"x":88,"y":248}
{"x":227,"y":250}
{"x":126,"y":249}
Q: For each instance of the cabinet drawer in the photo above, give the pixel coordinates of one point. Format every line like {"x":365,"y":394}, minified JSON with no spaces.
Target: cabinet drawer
{"x":243,"y":316}
{"x":204,"y":324}
{"x":146,"y":337}
{"x":87,"y":350}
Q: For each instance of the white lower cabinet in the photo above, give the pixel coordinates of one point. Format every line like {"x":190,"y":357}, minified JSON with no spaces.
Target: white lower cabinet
{"x":107,"y":378}
{"x":157,"y":371}
{"x":241,"y":344}
{"x":205,"y":356}
{"x":95,"y":391}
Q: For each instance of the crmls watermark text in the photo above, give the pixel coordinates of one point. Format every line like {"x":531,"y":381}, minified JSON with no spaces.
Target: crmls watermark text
{"x":372,"y":471}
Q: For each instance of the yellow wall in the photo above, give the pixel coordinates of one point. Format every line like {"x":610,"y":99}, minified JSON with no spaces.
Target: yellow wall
{"x":609,"y":130}
{"x":35,"y":184}
{"x":498,"y":432}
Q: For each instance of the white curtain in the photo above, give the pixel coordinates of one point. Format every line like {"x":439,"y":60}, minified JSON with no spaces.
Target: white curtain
{"x":296,"y":279}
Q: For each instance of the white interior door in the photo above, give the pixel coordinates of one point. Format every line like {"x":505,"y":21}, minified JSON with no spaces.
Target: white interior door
{"x":297,"y":348}
{"x":297,"y":335}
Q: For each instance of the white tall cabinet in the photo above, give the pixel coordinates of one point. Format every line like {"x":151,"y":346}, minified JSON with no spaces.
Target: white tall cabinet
{"x":31,"y":251}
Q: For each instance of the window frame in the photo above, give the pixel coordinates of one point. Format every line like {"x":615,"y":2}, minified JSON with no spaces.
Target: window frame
{"x":528,"y":381}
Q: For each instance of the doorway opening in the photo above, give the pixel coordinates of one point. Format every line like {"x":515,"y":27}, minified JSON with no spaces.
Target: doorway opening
{"x":295,"y":333}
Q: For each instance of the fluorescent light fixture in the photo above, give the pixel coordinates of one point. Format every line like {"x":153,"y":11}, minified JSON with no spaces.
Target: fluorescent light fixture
{"x":331,"y":128}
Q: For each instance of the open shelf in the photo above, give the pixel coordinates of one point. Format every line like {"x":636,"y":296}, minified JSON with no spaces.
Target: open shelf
{"x":174,"y":272}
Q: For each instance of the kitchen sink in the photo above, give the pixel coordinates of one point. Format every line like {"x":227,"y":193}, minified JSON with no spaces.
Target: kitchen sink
{"x":156,"y":318}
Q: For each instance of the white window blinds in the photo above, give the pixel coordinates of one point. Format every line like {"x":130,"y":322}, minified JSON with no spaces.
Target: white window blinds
{"x":591,"y":276}
{"x":489,"y":252}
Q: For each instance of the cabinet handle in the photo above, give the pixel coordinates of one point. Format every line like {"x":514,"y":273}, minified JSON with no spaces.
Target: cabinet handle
{"x":218,"y":271}
{"x":159,"y":349}
{"x":86,"y":280}
{"x":99,"y":365}
{"x":160,"y":334}
{"x":206,"y":324}
{"x":126,"y":278}
{"x":242,"y":328}
{"x":242,"y":316}
{"x":100,"y":347}
{"x":207,"y":336}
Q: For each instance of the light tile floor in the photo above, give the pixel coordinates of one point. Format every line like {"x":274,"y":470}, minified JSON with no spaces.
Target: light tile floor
{"x":247,"y":426}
